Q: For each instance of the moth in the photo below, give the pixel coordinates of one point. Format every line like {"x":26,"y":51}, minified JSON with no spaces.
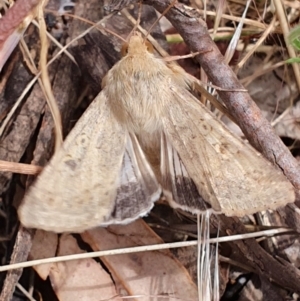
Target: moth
{"x":143,"y":135}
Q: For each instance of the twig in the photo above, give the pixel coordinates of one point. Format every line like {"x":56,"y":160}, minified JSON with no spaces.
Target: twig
{"x":36,"y":262}
{"x":21,"y":168}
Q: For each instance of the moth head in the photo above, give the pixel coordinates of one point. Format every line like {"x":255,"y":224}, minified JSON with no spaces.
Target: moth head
{"x":136,"y":45}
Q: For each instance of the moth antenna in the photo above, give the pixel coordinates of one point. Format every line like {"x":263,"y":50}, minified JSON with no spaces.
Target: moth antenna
{"x":155,"y":44}
{"x":137,"y":23}
{"x":159,"y":18}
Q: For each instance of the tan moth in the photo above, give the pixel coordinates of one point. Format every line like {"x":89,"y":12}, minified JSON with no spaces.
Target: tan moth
{"x":145,"y":134}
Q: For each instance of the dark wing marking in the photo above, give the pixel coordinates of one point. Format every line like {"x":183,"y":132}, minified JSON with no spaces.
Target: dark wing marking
{"x":138,"y":188}
{"x":178,"y":187}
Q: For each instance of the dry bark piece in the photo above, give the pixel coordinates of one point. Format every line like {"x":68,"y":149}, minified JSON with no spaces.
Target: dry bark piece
{"x":22,"y":246}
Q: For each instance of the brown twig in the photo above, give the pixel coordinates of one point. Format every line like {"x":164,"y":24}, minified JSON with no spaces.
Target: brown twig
{"x":21,"y":168}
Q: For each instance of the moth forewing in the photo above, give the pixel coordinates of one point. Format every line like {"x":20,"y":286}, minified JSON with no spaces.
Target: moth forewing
{"x":76,"y":190}
{"x":229,"y":174}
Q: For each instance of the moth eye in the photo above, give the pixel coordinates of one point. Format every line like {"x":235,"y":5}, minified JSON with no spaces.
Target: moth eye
{"x":124,"y":49}
{"x":149,"y":47}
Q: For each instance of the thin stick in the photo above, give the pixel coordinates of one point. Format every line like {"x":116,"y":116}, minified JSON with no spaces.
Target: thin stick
{"x":20,"y":168}
{"x":141,"y":249}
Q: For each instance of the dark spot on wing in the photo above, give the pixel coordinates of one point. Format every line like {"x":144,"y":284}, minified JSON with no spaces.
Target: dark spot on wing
{"x":71,"y":164}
